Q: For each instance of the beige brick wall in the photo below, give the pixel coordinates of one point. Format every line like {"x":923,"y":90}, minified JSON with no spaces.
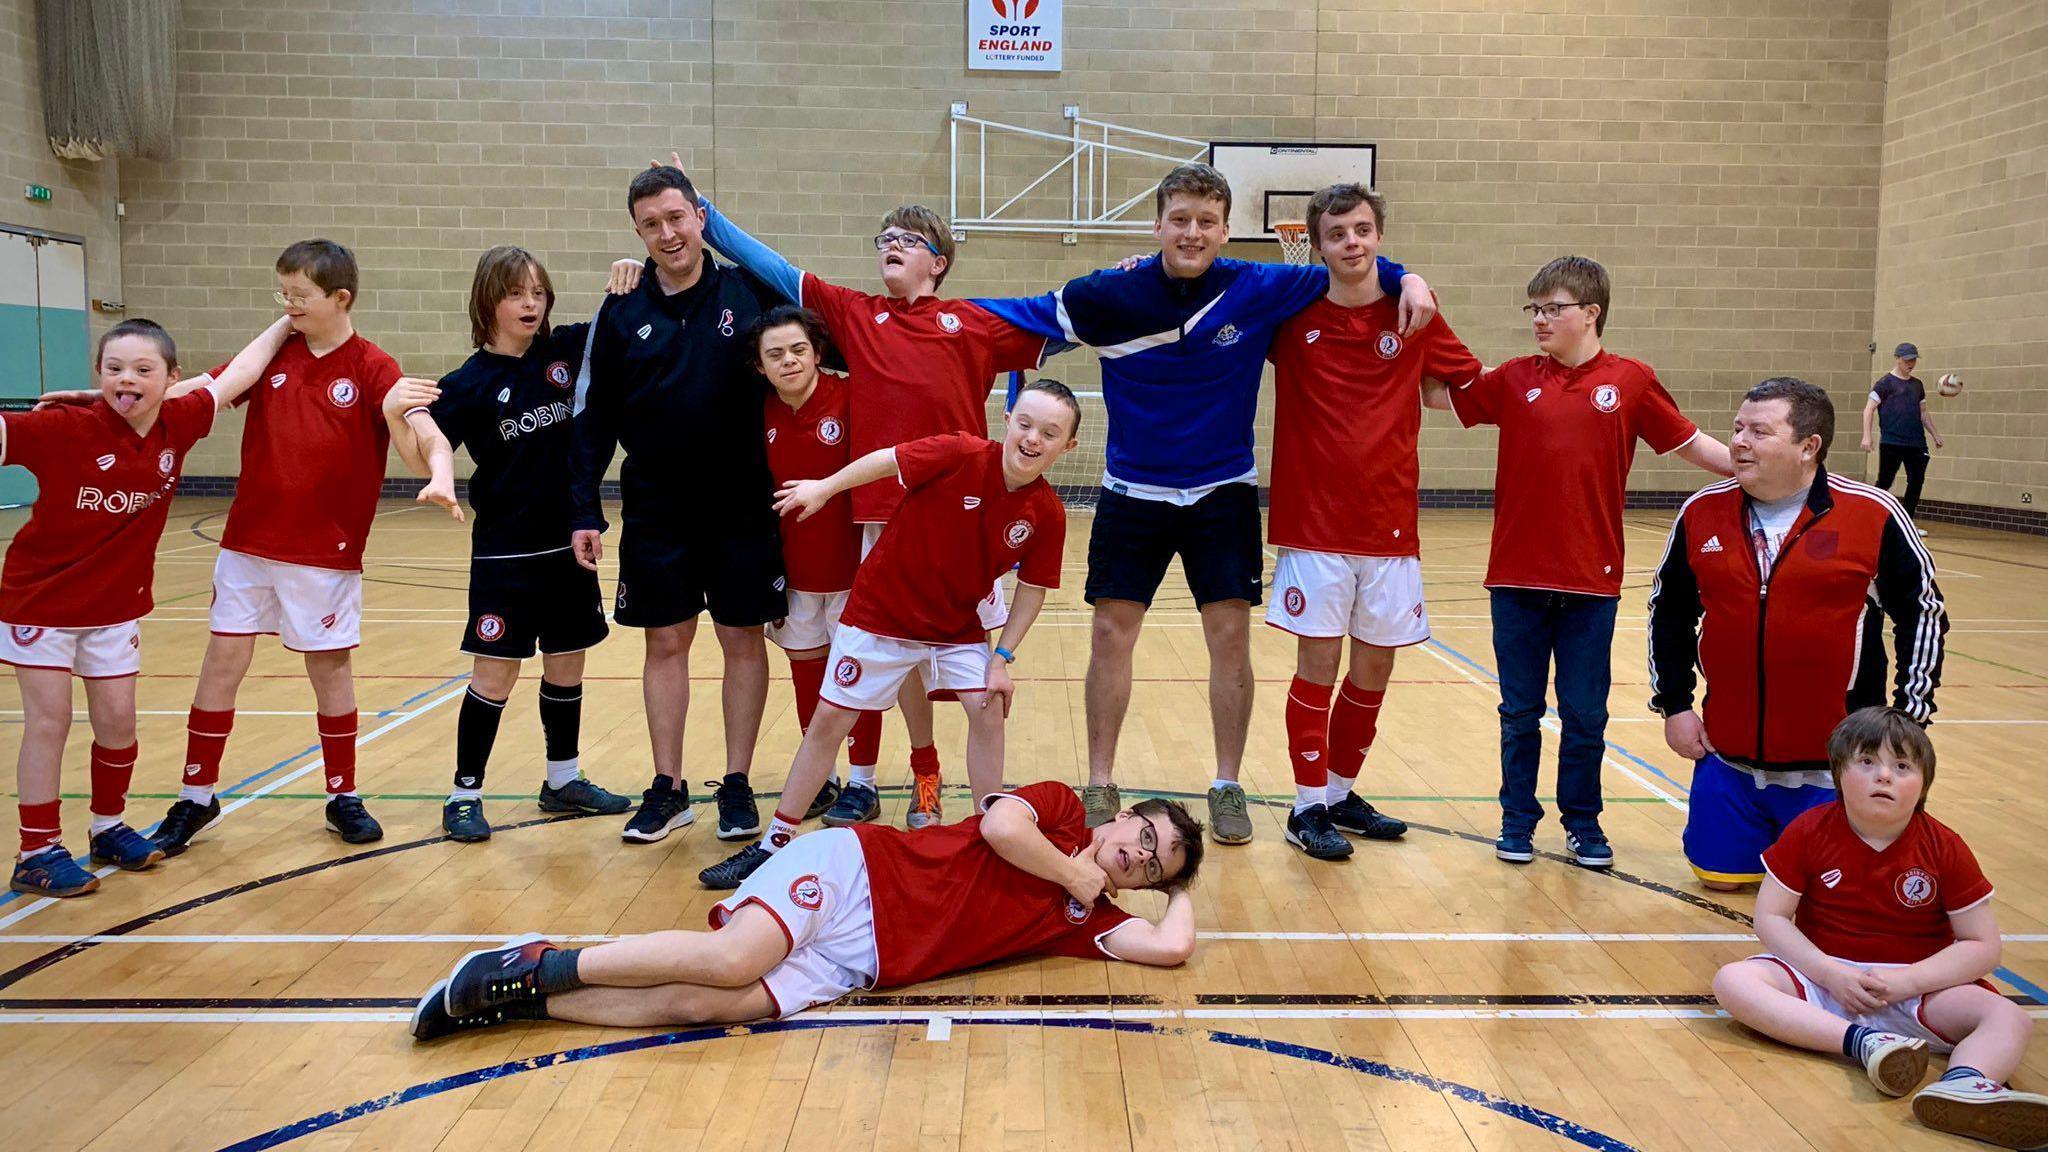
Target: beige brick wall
{"x":1962,"y":244}
{"x":84,"y":194}
{"x":1724,"y":166}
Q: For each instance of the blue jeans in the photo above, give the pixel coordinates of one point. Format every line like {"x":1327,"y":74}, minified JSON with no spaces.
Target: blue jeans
{"x":1528,"y":628}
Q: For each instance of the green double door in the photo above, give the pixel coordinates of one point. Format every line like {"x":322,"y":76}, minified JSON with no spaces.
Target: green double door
{"x":43,"y":343}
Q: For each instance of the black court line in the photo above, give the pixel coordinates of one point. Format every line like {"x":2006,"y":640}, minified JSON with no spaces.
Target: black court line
{"x":927,"y":1002}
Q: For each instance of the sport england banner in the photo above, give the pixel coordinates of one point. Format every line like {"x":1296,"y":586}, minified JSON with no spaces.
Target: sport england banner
{"x":1014,"y":35}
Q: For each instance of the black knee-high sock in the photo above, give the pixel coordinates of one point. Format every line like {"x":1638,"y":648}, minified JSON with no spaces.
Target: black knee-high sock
{"x":476,"y":730}
{"x":561,"y":718}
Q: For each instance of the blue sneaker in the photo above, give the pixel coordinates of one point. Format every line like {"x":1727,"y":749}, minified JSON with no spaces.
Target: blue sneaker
{"x":124,"y":848}
{"x":1514,"y":847}
{"x":52,"y":872}
{"x":1589,"y":848}
{"x":857,"y":804}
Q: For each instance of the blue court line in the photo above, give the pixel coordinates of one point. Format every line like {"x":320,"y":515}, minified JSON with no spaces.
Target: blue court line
{"x":1513,"y":1109}
{"x":10,"y":897}
{"x":1617,"y":749}
{"x":2034,"y":991}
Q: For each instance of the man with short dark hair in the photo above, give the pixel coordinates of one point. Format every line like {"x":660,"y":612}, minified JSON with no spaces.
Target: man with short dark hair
{"x":1782,"y":562}
{"x":669,"y":376}
{"x":1899,"y":401}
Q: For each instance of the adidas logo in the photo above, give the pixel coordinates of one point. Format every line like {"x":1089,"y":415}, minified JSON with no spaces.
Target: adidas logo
{"x":1713,"y":544}
{"x":105,"y":462}
{"x":646,"y":330}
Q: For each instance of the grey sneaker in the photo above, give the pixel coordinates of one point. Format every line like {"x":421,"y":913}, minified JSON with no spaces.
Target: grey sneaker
{"x":1229,"y":822}
{"x":1103,"y":802}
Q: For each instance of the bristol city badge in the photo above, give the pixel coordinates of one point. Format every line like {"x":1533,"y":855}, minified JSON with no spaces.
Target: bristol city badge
{"x":1607,"y":397}
{"x":1388,"y":346}
{"x":343,"y":393}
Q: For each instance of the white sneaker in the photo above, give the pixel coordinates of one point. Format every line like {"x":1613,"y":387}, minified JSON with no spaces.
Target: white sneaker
{"x":1922,"y":532}
{"x":1895,"y":1064}
{"x":1984,"y":1110}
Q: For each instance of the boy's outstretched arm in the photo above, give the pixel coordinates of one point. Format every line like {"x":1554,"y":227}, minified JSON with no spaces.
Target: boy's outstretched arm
{"x":805,"y":497}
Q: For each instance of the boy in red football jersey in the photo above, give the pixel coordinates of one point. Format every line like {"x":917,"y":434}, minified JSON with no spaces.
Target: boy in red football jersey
{"x":1347,"y":413}
{"x":1569,"y":420}
{"x":862,"y":907}
{"x":78,"y":575}
{"x":918,"y":365}
{"x":804,"y":416}
{"x":291,"y":559}
{"x":973,"y":508}
{"x":1880,"y":933}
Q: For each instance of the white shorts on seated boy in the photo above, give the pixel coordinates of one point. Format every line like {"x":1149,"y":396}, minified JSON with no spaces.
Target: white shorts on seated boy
{"x":107,"y":653}
{"x":865,"y":671}
{"x":1904,"y":1017}
{"x":308,"y":609}
{"x":1375,"y":600}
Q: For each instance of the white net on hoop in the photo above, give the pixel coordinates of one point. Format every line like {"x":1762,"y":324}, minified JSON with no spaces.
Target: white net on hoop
{"x":1294,"y":245}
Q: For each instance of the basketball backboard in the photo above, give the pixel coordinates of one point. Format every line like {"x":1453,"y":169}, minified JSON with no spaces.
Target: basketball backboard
{"x":1271,"y":181}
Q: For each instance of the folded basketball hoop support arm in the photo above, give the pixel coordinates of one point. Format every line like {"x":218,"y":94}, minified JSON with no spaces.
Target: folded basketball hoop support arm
{"x":1087,"y":164}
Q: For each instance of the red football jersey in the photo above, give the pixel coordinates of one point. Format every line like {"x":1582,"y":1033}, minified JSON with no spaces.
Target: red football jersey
{"x":87,"y":556}
{"x":1871,"y":907}
{"x":944,"y":901}
{"x":810,"y":443}
{"x":959,"y":528}
{"x":1347,"y":413}
{"x":313,"y":453}
{"x":1567,"y":438}
{"x":917,"y":368}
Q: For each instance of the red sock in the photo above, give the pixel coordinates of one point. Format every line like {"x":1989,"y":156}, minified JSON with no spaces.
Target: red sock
{"x":1308,"y":725}
{"x":864,"y":747}
{"x":206,"y":738}
{"x":925,"y":761}
{"x":41,"y":826}
{"x":112,"y":768}
{"x":808,"y":676}
{"x":1353,"y":723}
{"x":338,"y":750}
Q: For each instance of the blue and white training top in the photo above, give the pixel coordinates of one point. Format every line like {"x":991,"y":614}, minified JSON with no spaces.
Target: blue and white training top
{"x":1181,"y":358}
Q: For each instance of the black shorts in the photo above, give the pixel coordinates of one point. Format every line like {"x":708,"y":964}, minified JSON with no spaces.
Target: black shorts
{"x":547,"y":601}
{"x":665,"y":581}
{"x":1216,"y":538}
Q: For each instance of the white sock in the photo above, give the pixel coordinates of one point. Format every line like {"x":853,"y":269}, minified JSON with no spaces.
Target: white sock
{"x":465,"y":794}
{"x":1306,"y":797}
{"x":861,"y":774}
{"x":200,"y":794}
{"x":1220,"y":782}
{"x":780,"y":833}
{"x":102,"y":823}
{"x":563,"y":772}
{"x":1339,"y":789}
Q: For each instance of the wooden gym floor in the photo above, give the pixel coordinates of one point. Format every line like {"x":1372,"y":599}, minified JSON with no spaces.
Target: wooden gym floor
{"x":1420,"y":996}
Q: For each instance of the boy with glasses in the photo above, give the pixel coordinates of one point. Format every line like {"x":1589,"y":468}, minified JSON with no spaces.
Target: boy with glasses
{"x":1569,"y":420}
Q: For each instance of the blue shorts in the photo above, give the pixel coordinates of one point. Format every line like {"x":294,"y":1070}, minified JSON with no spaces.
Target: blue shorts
{"x":1731,"y":821}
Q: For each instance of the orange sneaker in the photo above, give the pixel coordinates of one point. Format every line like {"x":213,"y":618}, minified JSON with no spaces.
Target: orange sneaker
{"x":926,"y":809}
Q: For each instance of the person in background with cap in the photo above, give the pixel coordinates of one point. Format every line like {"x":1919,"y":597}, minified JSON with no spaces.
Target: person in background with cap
{"x":1899,"y":402}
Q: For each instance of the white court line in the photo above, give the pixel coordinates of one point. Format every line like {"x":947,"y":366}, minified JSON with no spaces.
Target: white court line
{"x":401,"y":719}
{"x":1644,"y":782}
{"x":573,"y":938}
{"x":932,"y":1021}
{"x":80,"y":712}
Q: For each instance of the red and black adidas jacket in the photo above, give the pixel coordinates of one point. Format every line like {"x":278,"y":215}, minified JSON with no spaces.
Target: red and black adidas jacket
{"x":1787,"y":654}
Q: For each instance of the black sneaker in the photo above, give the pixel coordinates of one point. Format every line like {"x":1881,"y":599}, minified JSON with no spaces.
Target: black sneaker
{"x":185,"y":820}
{"x":494,"y":977}
{"x":347,"y":816}
{"x":857,"y":804}
{"x":463,"y":820}
{"x":738,"y":818}
{"x":664,"y":808}
{"x":1359,"y":818}
{"x":580,"y":795}
{"x":824,"y":800}
{"x":1309,"y":830}
{"x":431,"y":1021}
{"x":732,"y":871}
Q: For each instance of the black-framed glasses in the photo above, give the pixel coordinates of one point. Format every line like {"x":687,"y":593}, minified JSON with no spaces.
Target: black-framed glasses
{"x":1148,"y":839}
{"x":1552,"y":310}
{"x":903,"y":242}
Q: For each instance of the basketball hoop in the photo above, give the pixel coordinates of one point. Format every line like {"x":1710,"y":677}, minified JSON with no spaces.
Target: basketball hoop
{"x":1294,"y":245}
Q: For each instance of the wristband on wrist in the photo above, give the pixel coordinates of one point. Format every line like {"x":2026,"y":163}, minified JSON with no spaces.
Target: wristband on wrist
{"x":1008,"y":656}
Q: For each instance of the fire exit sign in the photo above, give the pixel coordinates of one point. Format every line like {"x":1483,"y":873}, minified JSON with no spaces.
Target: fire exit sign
{"x":36,"y":192}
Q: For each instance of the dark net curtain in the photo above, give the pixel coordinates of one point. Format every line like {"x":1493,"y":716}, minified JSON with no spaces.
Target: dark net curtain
{"x":109,"y":70}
